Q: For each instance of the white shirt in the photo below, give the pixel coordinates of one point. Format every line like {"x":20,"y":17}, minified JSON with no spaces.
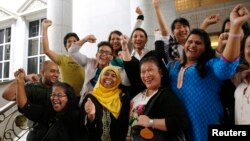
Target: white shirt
{"x":242,"y":104}
{"x":137,"y":56}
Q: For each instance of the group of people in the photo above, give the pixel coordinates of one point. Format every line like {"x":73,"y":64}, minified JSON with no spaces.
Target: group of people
{"x":131,"y":93}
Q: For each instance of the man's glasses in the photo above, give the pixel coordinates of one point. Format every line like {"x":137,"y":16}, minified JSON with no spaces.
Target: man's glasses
{"x":104,"y":52}
{"x":53,"y":95}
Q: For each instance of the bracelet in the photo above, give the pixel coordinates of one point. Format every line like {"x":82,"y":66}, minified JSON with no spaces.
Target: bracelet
{"x":234,"y":35}
{"x":140,"y":17}
{"x":151,"y":123}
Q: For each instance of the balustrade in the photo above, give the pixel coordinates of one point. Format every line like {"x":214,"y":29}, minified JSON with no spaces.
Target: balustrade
{"x":13,"y":125}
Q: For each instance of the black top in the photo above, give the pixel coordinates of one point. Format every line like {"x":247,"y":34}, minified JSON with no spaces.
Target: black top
{"x":118,"y":127}
{"x":67,"y":125}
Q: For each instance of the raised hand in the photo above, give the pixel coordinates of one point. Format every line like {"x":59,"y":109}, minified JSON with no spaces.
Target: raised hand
{"x":209,"y":20}
{"x":222,"y":41}
{"x":46,"y":23}
{"x":138,"y":10}
{"x":239,"y":15}
{"x":20,"y":75}
{"x":124,"y":42}
{"x":125,"y":51}
{"x":157,"y":3}
{"x":33,"y":77}
{"x":90,"y":38}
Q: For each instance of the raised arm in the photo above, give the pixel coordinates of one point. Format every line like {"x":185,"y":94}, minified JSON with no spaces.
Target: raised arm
{"x":75,"y":47}
{"x":209,"y":20}
{"x":21,"y":97}
{"x":9,"y":92}
{"x":51,"y":54}
{"x":125,"y":51}
{"x":160,"y":18}
{"x":138,"y":23}
{"x":140,"y":17}
{"x":222,"y":41}
{"x":89,"y":38}
{"x":238,"y":17}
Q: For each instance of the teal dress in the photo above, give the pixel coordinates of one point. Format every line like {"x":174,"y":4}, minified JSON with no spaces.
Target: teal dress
{"x":200,"y":96}
{"x":117,"y":62}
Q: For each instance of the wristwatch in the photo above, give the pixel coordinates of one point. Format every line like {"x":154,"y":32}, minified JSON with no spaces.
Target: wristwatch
{"x":151,"y":123}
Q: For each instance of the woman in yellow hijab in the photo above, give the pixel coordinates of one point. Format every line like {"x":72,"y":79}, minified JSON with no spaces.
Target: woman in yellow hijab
{"x":107,"y":108}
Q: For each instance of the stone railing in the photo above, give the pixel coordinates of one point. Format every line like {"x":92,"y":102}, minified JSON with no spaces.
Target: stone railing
{"x":13,"y":125}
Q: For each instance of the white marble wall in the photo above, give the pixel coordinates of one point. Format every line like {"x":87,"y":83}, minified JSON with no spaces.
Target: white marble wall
{"x":100,"y":18}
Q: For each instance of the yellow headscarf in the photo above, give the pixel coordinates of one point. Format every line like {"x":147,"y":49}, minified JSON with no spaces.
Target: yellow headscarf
{"x":109,"y":97}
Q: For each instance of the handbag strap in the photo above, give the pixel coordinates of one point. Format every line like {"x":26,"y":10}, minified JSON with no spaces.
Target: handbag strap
{"x":152,"y":102}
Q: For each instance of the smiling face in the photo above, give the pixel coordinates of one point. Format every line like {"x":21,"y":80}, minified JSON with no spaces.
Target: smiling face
{"x":139,"y":39}
{"x":194,"y":47}
{"x":115,"y":41}
{"x":181,"y":32}
{"x":58,"y":98}
{"x":104,"y":56}
{"x":151,"y":75}
{"x":109,"y":79}
{"x":50,"y":73}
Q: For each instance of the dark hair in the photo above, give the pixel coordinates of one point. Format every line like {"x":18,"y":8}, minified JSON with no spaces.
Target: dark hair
{"x":115,"y":52}
{"x":205,"y":56}
{"x":154,"y":59}
{"x":114,"y":32}
{"x":245,"y":27}
{"x":69,"y":91}
{"x":70,"y":34}
{"x":243,"y":48}
{"x":104,"y":43}
{"x":179,"y":20}
{"x":140,"y":29}
{"x":224,"y":24}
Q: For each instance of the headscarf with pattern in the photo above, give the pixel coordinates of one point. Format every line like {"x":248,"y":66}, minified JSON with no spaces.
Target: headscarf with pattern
{"x":109,"y":97}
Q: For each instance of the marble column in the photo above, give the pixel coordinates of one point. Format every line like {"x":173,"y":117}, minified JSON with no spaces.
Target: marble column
{"x":60,"y":12}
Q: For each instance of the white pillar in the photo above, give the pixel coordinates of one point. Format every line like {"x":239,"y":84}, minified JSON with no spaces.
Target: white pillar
{"x":150,"y":21}
{"x":60,"y":12}
{"x":18,"y":42}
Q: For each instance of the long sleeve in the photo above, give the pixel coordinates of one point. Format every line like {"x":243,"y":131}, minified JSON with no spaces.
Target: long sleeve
{"x":133,"y":72}
{"x":80,"y":58}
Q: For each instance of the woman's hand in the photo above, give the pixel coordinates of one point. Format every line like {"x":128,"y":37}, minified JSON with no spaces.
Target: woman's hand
{"x":143,"y":120}
{"x":222,"y":41}
{"x":89,"y":108}
{"x":239,"y":15}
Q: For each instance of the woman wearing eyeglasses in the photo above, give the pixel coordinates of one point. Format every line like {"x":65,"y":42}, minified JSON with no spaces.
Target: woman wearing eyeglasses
{"x":68,"y":122}
{"x":65,"y":120}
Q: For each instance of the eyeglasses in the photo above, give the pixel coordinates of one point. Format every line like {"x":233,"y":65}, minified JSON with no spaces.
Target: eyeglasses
{"x":57,"y":95}
{"x":104,"y":52}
